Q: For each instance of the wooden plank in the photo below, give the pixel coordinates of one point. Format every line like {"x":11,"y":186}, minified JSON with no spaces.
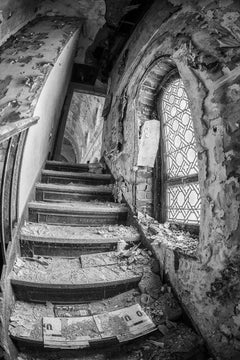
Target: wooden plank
{"x":60,"y":165}
{"x":61,"y":192}
{"x":75,"y":207}
{"x":69,"y":248}
{"x":63,"y":177}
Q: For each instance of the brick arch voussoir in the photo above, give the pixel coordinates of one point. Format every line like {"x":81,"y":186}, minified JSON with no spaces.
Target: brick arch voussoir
{"x":149,"y":85}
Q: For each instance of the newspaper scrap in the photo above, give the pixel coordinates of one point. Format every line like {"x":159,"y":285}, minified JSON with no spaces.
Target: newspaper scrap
{"x":77,"y":332}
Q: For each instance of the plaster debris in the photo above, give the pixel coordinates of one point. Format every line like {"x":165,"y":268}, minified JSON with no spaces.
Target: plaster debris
{"x":101,"y":259}
{"x":123,"y":325}
{"x":69,"y":271}
{"x":154,"y":297}
{"x":170,"y":235}
{"x":126,"y":233}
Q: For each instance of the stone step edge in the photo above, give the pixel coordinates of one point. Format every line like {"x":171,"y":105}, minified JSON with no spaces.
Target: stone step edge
{"x":67,"y":207}
{"x":132,"y":310}
{"x":55,"y":162}
{"x":66,"y":293}
{"x":76,"y":175}
{"x":100,"y":240}
{"x":98,"y":189}
{"x":74,"y":286}
{"x":93,"y":344}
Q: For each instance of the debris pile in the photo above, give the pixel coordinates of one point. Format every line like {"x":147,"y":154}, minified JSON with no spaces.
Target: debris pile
{"x":171,"y":235}
{"x":172,"y":340}
{"x":121,"y":232}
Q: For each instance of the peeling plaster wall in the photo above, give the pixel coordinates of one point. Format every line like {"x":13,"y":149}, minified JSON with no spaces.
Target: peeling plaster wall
{"x":14,"y":14}
{"x":40,"y":137}
{"x":202,"y":39}
{"x":91,"y":11}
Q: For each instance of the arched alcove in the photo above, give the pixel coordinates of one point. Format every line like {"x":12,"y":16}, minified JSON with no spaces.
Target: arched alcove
{"x":151,"y":168}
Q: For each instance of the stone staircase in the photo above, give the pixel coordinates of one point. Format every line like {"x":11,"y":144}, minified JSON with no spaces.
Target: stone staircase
{"x":85,"y":287}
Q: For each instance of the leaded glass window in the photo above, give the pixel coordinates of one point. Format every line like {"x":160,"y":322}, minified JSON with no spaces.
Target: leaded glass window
{"x":180,"y":165}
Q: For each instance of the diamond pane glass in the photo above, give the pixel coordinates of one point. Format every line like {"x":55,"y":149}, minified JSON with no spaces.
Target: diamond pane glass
{"x":181,"y":155}
{"x":183,"y":197}
{"x":183,"y":203}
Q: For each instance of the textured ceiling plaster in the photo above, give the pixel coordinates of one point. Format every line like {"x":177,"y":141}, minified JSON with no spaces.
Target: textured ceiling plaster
{"x":26,"y":61}
{"x":16,"y":13}
{"x":93,"y":10}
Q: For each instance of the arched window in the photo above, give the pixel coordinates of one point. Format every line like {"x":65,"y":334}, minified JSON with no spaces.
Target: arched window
{"x":180,"y":194}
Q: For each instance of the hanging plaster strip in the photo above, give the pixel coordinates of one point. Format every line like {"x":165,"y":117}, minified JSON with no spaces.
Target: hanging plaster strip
{"x":149,"y":143}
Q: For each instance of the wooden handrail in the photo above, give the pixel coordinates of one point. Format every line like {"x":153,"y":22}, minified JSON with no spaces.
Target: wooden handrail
{"x":10,"y":129}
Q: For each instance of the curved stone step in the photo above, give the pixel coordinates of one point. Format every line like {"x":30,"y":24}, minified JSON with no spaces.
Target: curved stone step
{"x":96,"y":326}
{"x":52,"y":240}
{"x":61,"y":192}
{"x":63,"y":280}
{"x":63,"y":177}
{"x":64,"y":166}
{"x":78,"y":214}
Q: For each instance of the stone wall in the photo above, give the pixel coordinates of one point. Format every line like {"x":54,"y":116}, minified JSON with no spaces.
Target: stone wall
{"x":201,"y":39}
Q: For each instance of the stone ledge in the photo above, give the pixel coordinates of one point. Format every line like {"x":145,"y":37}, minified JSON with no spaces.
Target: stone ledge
{"x":161,"y":236}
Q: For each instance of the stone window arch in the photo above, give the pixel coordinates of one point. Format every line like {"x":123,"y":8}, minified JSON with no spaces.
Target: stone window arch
{"x":179,"y":195}
{"x":151,"y":177}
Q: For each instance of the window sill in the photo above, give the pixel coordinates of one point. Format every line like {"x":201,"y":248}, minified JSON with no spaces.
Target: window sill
{"x":161,"y":234}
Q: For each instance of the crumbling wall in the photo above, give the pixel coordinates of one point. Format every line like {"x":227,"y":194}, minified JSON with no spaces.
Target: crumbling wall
{"x":14,"y":14}
{"x":92,"y":12}
{"x":201,"y":39}
{"x":38,"y":83}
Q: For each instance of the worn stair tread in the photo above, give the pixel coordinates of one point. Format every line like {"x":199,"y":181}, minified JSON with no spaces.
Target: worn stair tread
{"x":80,"y":175}
{"x":26,"y":318}
{"x":55,"y":233}
{"x":66,"y":164}
{"x":52,"y":240}
{"x":57,"y":355}
{"x":179,"y":342}
{"x":82,"y":207}
{"x":57,"y":271}
{"x":96,"y":168}
{"x":102,"y":189}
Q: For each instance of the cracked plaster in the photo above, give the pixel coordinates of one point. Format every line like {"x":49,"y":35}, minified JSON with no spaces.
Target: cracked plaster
{"x":203,"y":41}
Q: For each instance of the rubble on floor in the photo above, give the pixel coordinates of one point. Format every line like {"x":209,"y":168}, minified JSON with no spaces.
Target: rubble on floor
{"x":171,"y":341}
{"x":68,"y":271}
{"x":74,"y":205}
{"x":170,"y":235}
{"x":178,"y":343}
{"x":155,"y":299}
{"x":123,"y":325}
{"x":112,"y":231}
